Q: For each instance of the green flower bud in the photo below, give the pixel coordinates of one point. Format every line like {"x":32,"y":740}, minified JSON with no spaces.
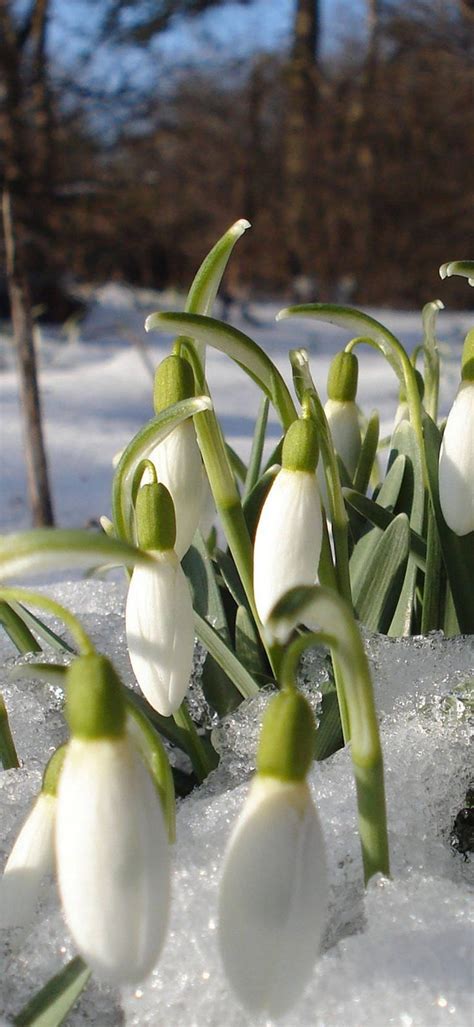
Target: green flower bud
{"x":343,"y":377}
{"x":174,"y":380}
{"x":467,"y":360}
{"x":301,"y":448}
{"x":155,"y":517}
{"x":286,"y":746}
{"x":95,"y":704}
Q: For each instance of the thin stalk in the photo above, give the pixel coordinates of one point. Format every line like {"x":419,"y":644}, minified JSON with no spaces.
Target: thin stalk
{"x":8,"y":753}
{"x":337,"y":628}
{"x":24,"y":595}
{"x":200,"y":758}
{"x":17,"y":630}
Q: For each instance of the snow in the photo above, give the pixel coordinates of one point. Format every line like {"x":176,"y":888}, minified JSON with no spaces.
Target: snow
{"x":401,"y":953}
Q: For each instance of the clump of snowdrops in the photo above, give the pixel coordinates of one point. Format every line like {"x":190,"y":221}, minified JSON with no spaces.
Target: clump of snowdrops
{"x":315,"y":541}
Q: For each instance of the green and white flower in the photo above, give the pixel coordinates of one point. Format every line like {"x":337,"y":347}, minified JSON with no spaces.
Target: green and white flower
{"x":456,"y":458}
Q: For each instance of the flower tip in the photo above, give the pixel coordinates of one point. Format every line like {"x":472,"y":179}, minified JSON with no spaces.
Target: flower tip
{"x":443,"y":271}
{"x":241,"y":226}
{"x":282,"y":314}
{"x":152,"y":321}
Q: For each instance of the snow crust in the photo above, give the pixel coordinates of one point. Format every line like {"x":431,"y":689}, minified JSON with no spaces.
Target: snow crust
{"x":401,"y":954}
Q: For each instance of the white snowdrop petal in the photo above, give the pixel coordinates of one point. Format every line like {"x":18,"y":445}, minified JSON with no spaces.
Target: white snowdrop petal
{"x":31,"y":858}
{"x":272,"y":903}
{"x":179,"y":466}
{"x":160,"y":632}
{"x":456,"y":463}
{"x":112,"y":858}
{"x":343,"y":420}
{"x":288,"y":538}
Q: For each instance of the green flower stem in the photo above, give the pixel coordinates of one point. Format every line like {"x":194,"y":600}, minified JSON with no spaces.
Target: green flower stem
{"x":227,"y":500}
{"x":8,"y":753}
{"x":340,"y":523}
{"x":17,"y":630}
{"x":390,"y":347}
{"x":200,"y":758}
{"x":23,"y":595}
{"x":336,"y":627}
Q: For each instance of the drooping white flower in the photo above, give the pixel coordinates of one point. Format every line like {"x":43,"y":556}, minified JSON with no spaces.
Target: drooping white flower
{"x":32,"y":856}
{"x":343,"y":420}
{"x":273,"y":892}
{"x":179,"y":466}
{"x":177,"y":458}
{"x":112,"y":858}
{"x":112,"y":852}
{"x":456,"y":463}
{"x":31,"y":859}
{"x":160,"y":631}
{"x":289,"y":531}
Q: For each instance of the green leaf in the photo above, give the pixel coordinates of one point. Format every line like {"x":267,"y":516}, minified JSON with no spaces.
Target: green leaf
{"x":258,"y":442}
{"x":206,"y":282}
{"x":464,"y":268}
{"x":154,"y":755}
{"x":458,"y":552}
{"x":376,"y":598}
{"x":52,"y":1004}
{"x":139,"y":449}
{"x":53,"y":673}
{"x":386,"y":499}
{"x":47,"y":549}
{"x":329,"y":737}
{"x":252,"y":505}
{"x":223,"y":337}
{"x":431,"y":356}
{"x":225,"y":658}
{"x":8,"y":754}
{"x":356,"y":323}
{"x":382,"y":518}
{"x":219,"y":690}
{"x":47,"y":634}
{"x":367,"y":454}
{"x":248,"y":646}
{"x":411,"y":501}
{"x":17,"y":630}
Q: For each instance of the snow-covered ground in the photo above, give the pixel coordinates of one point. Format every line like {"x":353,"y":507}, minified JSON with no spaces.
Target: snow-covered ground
{"x":96,"y":390}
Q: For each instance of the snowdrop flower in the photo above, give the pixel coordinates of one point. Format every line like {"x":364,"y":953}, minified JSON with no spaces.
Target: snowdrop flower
{"x":273,"y":893}
{"x":159,"y":616}
{"x":32,"y":856}
{"x":177,"y":458}
{"x":112,"y":851}
{"x":289,"y":531}
{"x":456,"y":458}
{"x":342,"y":415}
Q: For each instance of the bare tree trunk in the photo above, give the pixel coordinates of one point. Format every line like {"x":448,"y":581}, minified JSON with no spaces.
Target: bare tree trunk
{"x":14,"y":208}
{"x":35,"y":455}
{"x":299,"y":130}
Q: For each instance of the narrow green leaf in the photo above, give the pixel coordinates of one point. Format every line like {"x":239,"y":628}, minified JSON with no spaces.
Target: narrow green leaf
{"x":458,"y":552}
{"x":8,"y":754}
{"x":376,"y":598}
{"x":329,"y":737}
{"x":223,"y":337}
{"x":17,"y":630}
{"x":239,"y":468}
{"x":382,"y":518}
{"x":219,"y":690}
{"x":206,"y":282}
{"x":255,"y":499}
{"x":53,"y":673}
{"x":258,"y":443}
{"x":431,"y":357}
{"x":47,"y":634}
{"x":412,"y":502}
{"x":52,"y":1004}
{"x":434,"y":585}
{"x":225,"y":658}
{"x":367,"y":454}
{"x":139,"y":449}
{"x":464,"y":268}
{"x":47,"y":549}
{"x":356,"y":323}
{"x":387,"y":498}
{"x":248,"y":647}
{"x":154,"y":754}
{"x":230,"y":577}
